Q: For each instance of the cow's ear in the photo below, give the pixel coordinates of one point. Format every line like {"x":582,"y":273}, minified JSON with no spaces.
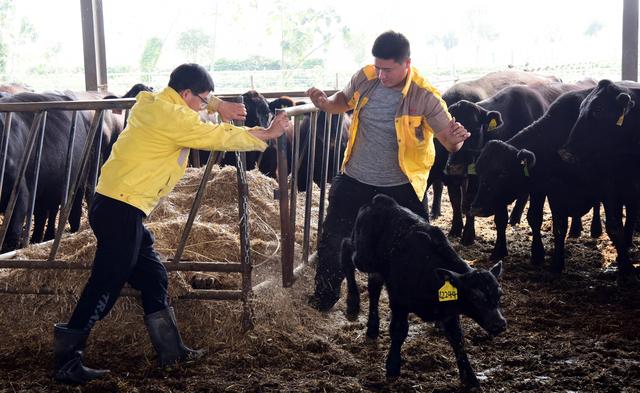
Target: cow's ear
{"x":493,"y":120}
{"x":382,"y":199}
{"x":448,"y":275}
{"x":496,"y":270}
{"x":526,"y":158}
{"x":625,"y":101}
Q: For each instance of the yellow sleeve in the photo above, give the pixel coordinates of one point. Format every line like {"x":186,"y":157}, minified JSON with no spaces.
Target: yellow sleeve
{"x":209,"y":136}
{"x":214,"y":104}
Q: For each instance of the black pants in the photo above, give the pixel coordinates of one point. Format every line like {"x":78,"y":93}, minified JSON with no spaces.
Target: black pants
{"x":124,"y":253}
{"x":346,"y":197}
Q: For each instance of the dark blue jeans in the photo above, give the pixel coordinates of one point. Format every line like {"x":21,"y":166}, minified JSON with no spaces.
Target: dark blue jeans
{"x":124,"y":253}
{"x":346,"y":197}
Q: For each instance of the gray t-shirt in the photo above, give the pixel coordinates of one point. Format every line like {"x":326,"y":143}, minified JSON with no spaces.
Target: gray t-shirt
{"x":374,"y":158}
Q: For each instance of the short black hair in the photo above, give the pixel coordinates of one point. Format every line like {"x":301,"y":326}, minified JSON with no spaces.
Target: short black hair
{"x":391,"y":45}
{"x":191,"y":76}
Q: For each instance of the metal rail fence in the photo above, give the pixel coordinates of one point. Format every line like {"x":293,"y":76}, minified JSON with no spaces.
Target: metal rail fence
{"x":286,"y":193}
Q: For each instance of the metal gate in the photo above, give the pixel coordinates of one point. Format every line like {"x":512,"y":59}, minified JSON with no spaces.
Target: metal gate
{"x":286,"y":193}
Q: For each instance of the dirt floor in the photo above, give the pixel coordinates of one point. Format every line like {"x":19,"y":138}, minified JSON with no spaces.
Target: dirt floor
{"x":574,"y":333}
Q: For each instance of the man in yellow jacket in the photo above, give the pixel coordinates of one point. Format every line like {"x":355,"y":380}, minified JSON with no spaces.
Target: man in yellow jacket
{"x":146,"y":162}
{"x":396,"y":114}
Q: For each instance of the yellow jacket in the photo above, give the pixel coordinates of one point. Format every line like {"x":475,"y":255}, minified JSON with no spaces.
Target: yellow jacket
{"x":421,"y":113}
{"x":150,"y":156}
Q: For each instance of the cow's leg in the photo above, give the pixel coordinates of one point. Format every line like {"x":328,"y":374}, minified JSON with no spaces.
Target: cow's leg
{"x":374,"y":286}
{"x":469,"y":232}
{"x":398,"y":330}
{"x":39,"y":219}
{"x":469,"y":193}
{"x":500,"y":248}
{"x":349,"y":270}
{"x":534,"y":218}
{"x":615,"y":231}
{"x":455,"y":197}
{"x":51,"y":224}
{"x":76,"y":213}
{"x":596,"y":222}
{"x":436,"y":204}
{"x":518,"y":209}
{"x":12,"y":240}
{"x":560,"y":226}
{"x":576,"y":227}
{"x":454,"y":335}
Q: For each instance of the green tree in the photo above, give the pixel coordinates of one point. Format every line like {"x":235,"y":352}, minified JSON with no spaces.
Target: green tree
{"x":150,"y":55}
{"x":194,"y":43}
{"x":303,"y":31}
{"x":7,"y":10}
{"x":356,"y":44}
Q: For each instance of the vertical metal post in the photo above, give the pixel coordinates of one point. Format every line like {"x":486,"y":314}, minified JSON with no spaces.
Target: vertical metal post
{"x":293,"y":202}
{"x":69,"y":162}
{"x":311,"y":155}
{"x":286,"y":238}
{"x":323,"y":176}
{"x":34,"y":184}
{"x":97,"y":154}
{"x":5,"y":146}
{"x":630,"y":40}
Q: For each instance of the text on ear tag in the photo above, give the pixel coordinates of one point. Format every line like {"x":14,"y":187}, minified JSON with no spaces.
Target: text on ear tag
{"x":447,"y":292}
{"x":471,"y":169}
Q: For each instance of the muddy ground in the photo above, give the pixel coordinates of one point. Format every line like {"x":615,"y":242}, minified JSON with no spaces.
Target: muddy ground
{"x":575,"y":333}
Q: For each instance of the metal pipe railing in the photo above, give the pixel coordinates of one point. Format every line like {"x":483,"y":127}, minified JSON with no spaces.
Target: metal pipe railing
{"x":34,"y":185}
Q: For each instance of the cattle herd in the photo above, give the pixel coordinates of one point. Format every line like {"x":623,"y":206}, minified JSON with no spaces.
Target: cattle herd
{"x":533,"y":139}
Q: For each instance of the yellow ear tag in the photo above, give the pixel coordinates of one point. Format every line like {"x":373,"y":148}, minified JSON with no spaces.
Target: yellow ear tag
{"x":620,"y":120}
{"x":471,"y":169}
{"x":447,"y":292}
{"x":493,"y":124}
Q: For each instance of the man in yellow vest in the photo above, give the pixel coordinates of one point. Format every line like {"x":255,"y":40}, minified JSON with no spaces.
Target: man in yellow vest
{"x":147,"y":161}
{"x":396,"y":113}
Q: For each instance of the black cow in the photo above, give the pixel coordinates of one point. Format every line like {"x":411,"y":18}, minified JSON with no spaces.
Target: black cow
{"x":529,"y":163}
{"x":52,"y":169}
{"x":258,"y":115}
{"x":423,"y":275}
{"x":604,"y":145}
{"x":498,"y":117}
{"x":473,"y":91}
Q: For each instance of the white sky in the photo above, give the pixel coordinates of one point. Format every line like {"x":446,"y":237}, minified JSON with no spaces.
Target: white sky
{"x":524,"y":29}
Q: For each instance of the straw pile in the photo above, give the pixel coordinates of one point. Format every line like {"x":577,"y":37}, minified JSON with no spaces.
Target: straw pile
{"x":214,"y":237}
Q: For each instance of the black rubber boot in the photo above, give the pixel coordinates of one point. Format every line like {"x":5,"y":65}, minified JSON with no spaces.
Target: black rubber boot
{"x":166,"y":339}
{"x":68,"y":345}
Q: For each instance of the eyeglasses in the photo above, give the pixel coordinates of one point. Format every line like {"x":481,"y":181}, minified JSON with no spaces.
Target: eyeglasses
{"x":205,"y":103}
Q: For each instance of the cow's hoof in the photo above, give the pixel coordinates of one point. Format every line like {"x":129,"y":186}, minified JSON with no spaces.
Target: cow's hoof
{"x":373,"y":333}
{"x":468,"y":240}
{"x":322,"y":305}
{"x":556,"y":268}
{"x":497,"y":255}
{"x":352,"y":314}
{"x":455,"y":232}
{"x":574,"y":235}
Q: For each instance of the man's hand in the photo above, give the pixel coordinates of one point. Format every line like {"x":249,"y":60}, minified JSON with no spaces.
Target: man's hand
{"x":278,"y":125}
{"x":318,"y":97}
{"x":454,"y":134}
{"x":232,"y":111}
